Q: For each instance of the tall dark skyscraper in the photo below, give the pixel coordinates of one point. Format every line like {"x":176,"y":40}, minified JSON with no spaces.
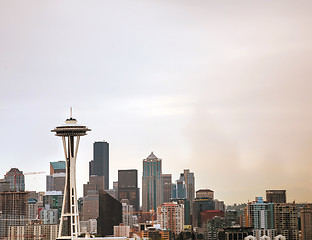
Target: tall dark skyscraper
{"x":99,"y":166}
{"x":128,"y":187}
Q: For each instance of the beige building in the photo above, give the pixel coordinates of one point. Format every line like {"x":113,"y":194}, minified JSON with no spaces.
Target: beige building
{"x":286,"y":220}
{"x":33,"y":232}
{"x":122,"y":231}
{"x":171,"y":216}
{"x":306,"y":222}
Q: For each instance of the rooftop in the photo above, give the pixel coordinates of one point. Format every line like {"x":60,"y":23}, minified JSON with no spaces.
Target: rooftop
{"x":58,"y":165}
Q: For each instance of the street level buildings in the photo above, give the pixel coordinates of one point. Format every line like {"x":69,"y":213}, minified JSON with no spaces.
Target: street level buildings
{"x":31,"y":232}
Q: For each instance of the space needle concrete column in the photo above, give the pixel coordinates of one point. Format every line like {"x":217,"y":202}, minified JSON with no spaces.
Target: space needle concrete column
{"x":70,"y":132}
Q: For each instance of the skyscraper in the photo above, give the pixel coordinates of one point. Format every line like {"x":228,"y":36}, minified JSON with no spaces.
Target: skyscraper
{"x":128,"y":187}
{"x":260,"y":216}
{"x":16,"y":179}
{"x":286,"y":220}
{"x":167,"y":185}
{"x":189,"y":180}
{"x":152,"y":195}
{"x":99,"y":166}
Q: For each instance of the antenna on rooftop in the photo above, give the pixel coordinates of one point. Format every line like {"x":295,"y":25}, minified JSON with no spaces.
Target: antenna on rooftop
{"x":71,"y":112}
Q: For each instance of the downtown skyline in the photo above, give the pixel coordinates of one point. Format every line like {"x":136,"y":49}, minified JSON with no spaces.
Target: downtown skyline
{"x":220,"y":89}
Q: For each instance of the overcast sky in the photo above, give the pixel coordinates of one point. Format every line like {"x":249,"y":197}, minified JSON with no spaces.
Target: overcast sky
{"x":222,"y":88}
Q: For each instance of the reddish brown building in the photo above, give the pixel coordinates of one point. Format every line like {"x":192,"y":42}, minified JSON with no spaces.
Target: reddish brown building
{"x":210,"y":214}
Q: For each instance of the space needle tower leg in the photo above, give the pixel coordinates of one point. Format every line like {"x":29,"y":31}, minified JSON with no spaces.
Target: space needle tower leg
{"x":69,"y":223}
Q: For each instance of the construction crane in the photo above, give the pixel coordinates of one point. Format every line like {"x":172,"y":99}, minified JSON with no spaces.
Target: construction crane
{"x":32,"y":173}
{"x":20,"y":174}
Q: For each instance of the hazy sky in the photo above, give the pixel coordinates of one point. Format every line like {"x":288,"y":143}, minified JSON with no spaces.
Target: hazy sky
{"x":220,"y":87}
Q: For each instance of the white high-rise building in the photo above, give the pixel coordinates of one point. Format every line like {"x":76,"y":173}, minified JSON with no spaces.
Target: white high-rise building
{"x":171,"y":216}
{"x":127,"y":214}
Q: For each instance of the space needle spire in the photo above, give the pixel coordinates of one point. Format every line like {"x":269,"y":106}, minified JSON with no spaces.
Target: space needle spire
{"x":70,"y":132}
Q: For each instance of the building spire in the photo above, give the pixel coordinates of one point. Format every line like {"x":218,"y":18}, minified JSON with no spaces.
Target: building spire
{"x":71,"y":112}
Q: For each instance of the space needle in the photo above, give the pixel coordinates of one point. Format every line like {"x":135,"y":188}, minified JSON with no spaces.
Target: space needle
{"x":70,"y":132}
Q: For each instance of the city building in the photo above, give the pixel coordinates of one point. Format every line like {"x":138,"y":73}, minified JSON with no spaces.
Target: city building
{"x":128,"y":187}
{"x":276,"y":196}
{"x":306,"y":222}
{"x":202,"y":202}
{"x":112,"y":192}
{"x":33,"y":208}
{"x":187,"y":210}
{"x":260,"y":214}
{"x":34,"y":231}
{"x":152,"y":195}
{"x":237,"y":233}
{"x":99,"y":166}
{"x":110,"y":214}
{"x":189,"y":180}
{"x":53,"y":200}
{"x":4,"y":185}
{"x":90,"y":207}
{"x":48,"y":215}
{"x":167,"y":186}
{"x":180,"y":189}
{"x":286,"y":220}
{"x":156,"y":234}
{"x":219,"y":205}
{"x":210,"y":214}
{"x":205,"y":193}
{"x":16,"y":179}
{"x":212,"y":227}
{"x":88,"y":227}
{"x":115,"y":187}
{"x":127,"y":213}
{"x":95,"y":183}
{"x":231,"y":218}
{"x":56,"y":180}
{"x":13,"y":210}
{"x":122,"y":231}
{"x":171,"y":216}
